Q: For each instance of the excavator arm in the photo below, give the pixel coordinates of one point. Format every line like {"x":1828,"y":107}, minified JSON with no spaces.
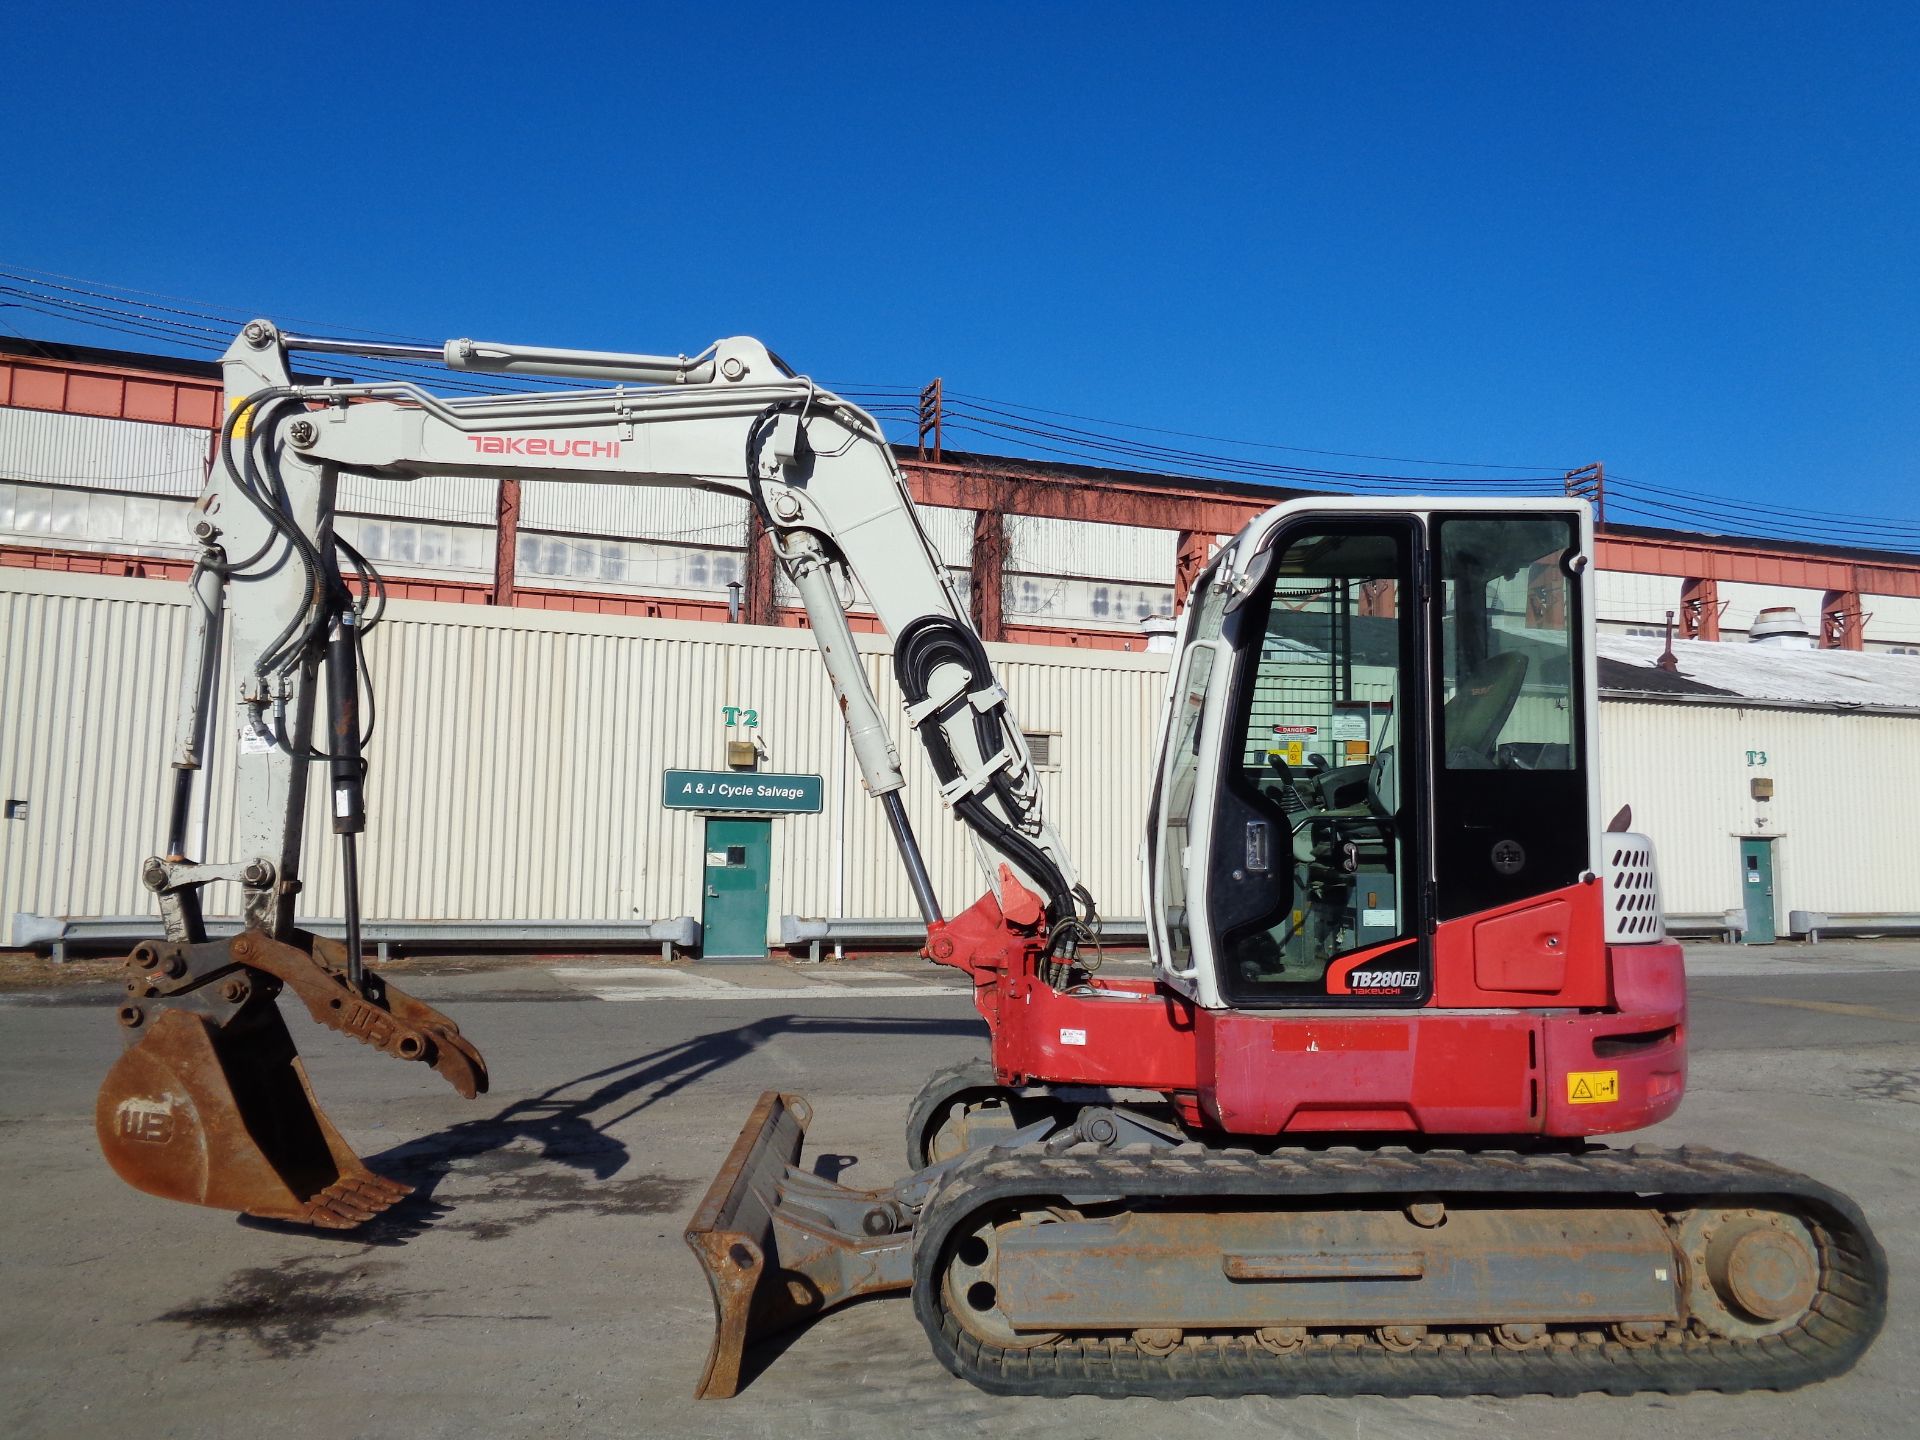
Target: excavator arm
{"x":209,"y":1103}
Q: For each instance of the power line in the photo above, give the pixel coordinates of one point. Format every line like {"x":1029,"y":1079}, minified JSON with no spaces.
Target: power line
{"x":204,"y":326}
{"x":1874,"y":521}
{"x":177,"y":326}
{"x":1250,"y":444}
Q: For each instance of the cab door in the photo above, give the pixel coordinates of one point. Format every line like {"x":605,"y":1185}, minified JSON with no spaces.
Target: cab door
{"x":1316,"y":877}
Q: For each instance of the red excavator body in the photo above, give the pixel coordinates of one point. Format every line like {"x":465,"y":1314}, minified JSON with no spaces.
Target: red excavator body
{"x":1522,"y":1037}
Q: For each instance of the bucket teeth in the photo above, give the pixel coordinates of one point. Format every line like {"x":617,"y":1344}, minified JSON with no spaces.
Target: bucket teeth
{"x":353,"y":1201}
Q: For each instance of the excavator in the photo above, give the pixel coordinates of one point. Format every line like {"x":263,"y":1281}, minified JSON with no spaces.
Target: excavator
{"x":1340,"y":1139}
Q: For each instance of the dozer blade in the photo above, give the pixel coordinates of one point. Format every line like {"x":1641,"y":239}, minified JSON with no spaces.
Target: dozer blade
{"x":780,"y":1245}
{"x":222,"y":1115}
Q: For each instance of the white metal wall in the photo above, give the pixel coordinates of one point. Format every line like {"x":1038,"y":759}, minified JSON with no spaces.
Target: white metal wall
{"x":1626,"y":598}
{"x":100,"y":453}
{"x":517,"y":759}
{"x":516,"y":768}
{"x":83,"y":737}
{"x":951,"y":532}
{"x":140,"y":459}
{"x":1891,"y":619}
{"x":1846,"y":791}
{"x":457,"y":499}
{"x":1091,"y":549}
{"x":693,"y":517}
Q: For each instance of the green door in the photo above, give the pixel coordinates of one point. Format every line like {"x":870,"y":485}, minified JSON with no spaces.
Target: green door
{"x":733,"y":916}
{"x":1756,"y":885}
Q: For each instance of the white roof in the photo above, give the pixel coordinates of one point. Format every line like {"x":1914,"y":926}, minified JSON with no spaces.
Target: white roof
{"x":1828,"y":679}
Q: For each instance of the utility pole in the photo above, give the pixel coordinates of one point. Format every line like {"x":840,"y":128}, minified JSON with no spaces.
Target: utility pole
{"x":1589,"y":483}
{"x":930,"y":418}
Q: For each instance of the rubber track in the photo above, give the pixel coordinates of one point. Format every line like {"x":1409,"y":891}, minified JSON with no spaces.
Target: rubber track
{"x":941,"y":1089}
{"x":1845,"y":1315}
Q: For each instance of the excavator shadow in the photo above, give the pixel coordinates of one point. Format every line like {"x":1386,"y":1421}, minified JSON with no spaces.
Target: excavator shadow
{"x":553,"y":1152}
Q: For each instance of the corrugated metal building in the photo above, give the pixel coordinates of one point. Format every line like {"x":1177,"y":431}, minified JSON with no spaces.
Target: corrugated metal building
{"x":518,"y":758}
{"x":517,"y":770}
{"x":517,"y":765}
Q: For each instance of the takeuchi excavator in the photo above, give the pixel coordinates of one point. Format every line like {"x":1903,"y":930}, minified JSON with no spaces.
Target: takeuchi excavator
{"x":1339,"y":1140}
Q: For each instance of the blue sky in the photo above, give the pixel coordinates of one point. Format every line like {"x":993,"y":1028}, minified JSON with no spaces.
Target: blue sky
{"x":1680,"y":239}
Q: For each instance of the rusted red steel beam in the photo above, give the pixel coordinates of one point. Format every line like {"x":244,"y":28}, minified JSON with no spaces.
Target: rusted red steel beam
{"x":989,"y":574}
{"x":1733,"y":560}
{"x":1842,"y":622}
{"x":506,"y":541}
{"x":1700,"y":609}
{"x":116,"y":393}
{"x":758,"y":604}
{"x":1147,"y":501}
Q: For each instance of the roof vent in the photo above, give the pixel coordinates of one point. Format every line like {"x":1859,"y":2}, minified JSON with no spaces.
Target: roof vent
{"x":1780,"y":627}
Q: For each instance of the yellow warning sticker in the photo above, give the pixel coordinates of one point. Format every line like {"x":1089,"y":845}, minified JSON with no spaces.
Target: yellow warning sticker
{"x":234,"y":402}
{"x":1592,"y":1087}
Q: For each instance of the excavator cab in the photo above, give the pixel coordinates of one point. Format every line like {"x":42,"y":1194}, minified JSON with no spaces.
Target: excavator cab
{"x":1378,"y":722}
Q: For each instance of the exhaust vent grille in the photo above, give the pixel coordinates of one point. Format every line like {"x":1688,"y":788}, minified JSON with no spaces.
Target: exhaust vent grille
{"x":1634,"y":916}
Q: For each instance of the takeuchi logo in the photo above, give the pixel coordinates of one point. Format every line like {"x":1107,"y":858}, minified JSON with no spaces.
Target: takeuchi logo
{"x":541,"y":445}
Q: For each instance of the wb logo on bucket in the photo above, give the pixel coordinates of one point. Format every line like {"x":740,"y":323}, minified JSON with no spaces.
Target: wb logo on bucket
{"x":150,"y":1121}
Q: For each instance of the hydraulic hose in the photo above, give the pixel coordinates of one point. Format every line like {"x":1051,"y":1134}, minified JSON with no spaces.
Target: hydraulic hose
{"x":934,"y":641}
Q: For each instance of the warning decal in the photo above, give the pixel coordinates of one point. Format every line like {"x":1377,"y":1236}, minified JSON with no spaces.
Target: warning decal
{"x":1592,"y":1087}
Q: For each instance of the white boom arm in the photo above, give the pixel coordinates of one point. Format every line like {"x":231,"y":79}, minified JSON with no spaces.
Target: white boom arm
{"x":732,"y":419}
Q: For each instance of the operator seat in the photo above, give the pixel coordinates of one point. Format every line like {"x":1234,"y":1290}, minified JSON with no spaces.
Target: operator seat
{"x":1473,"y":719}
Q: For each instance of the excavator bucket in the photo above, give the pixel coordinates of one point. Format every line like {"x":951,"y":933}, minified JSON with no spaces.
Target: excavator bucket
{"x":211,"y":1104}
{"x":222,"y":1115}
{"x":780,"y":1245}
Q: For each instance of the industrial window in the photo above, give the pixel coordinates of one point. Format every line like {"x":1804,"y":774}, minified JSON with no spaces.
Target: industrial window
{"x":418,"y":544}
{"x":93,"y":519}
{"x":626,"y":564}
{"x":1065,"y":598}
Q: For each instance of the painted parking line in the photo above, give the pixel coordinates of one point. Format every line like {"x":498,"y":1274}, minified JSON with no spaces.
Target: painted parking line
{"x":1830,"y":1007}
{"x":1711,"y":967}
{"x":639,"y":983}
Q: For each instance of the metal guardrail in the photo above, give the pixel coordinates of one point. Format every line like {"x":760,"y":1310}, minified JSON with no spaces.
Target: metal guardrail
{"x":58,"y":934}
{"x":1810,"y":925}
{"x":797,"y":931}
{"x":1727,"y":925}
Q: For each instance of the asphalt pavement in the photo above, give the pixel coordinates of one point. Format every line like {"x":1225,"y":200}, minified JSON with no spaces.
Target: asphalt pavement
{"x":538,"y":1283}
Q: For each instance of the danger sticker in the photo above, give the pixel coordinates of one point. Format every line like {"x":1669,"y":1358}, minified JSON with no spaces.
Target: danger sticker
{"x":1592,"y":1087}
{"x":1073,"y":1037}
